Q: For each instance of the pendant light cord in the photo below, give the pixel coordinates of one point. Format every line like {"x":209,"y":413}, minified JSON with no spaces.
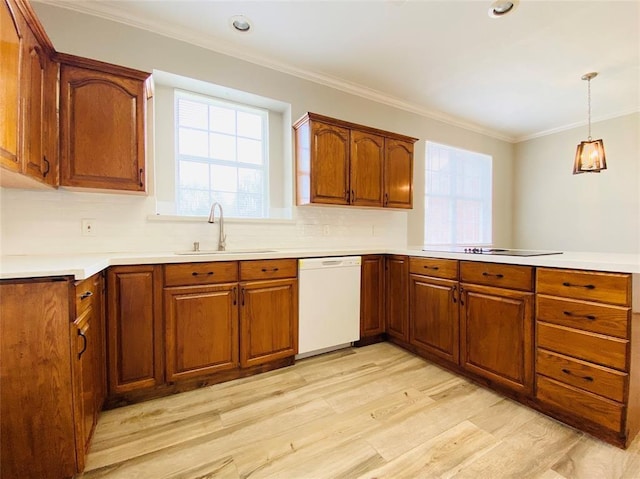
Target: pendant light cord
{"x":589,"y":103}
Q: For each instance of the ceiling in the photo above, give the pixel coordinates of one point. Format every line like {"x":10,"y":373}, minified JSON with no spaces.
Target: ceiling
{"x":514,"y":77}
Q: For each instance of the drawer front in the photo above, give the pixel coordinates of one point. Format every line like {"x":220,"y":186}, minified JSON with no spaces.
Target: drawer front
{"x":598,"y":318}
{"x":591,"y":377}
{"x":86,"y":291}
{"x":268,"y":269}
{"x":436,"y":267}
{"x":185,"y":274}
{"x":612,"y":288}
{"x":579,"y":403}
{"x":499,"y":275}
{"x":599,"y":349}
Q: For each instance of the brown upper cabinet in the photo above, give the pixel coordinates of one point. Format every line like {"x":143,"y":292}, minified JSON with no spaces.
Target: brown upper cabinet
{"x":28,"y":141}
{"x":102,"y":125}
{"x":341,"y":163}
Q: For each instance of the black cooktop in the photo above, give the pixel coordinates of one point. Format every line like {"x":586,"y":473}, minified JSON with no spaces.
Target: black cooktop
{"x":495,"y":251}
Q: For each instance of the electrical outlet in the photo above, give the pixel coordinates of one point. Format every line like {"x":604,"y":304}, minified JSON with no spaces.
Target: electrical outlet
{"x":88,"y":227}
{"x":325,"y":230}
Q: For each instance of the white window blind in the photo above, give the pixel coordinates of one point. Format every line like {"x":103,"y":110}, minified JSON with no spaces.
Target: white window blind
{"x":457,"y":197}
{"x":221,"y":152}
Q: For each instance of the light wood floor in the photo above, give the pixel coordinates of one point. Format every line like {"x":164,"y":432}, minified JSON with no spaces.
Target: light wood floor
{"x":374,"y":412}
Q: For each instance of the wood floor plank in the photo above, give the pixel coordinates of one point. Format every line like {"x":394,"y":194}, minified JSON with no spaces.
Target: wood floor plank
{"x":377,"y":411}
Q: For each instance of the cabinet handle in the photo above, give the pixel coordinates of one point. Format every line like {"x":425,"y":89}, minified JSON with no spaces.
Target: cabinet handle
{"x":570,"y":285}
{"x":242,"y":296}
{"x":84,"y":342}
{"x":208,"y":273}
{"x":435,"y":268}
{"x":499,"y":275}
{"x":140,"y":177}
{"x":48,"y":165}
{"x":586,"y":378}
{"x":462,"y":296}
{"x":586,"y":316}
{"x":234,"y":293}
{"x":386,"y":199}
{"x":353,"y":196}
{"x":86,"y":295}
{"x":273,"y":270}
{"x":453,"y":294}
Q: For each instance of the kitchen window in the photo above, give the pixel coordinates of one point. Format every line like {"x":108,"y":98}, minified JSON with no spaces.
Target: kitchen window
{"x":458,"y":199}
{"x":215,"y":143}
{"x":222,"y":155}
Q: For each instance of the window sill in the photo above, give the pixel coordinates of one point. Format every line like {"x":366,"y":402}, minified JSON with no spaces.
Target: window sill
{"x":201,"y":219}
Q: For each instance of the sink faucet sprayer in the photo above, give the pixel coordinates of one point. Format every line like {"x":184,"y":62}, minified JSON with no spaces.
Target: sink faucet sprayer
{"x":222,"y":238}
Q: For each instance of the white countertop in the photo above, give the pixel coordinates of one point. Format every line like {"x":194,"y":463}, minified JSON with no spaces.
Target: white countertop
{"x":82,"y":266}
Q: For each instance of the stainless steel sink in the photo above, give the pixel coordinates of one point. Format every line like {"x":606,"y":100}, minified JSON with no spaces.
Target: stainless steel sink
{"x":229,"y":251}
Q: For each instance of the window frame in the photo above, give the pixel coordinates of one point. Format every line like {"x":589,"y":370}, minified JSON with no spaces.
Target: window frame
{"x":485,"y":200}
{"x":235,"y":106}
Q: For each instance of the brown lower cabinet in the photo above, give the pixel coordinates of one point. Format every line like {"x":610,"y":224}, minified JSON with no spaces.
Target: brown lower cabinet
{"x":372,"y":299}
{"x":52,"y":373}
{"x":396,"y":282}
{"x":222,"y":320}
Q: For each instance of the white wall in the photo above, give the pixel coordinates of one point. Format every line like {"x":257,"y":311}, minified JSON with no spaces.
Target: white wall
{"x":589,"y":212}
{"x":49,"y":222}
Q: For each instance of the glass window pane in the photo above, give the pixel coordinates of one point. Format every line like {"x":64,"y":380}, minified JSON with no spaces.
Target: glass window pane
{"x":224,"y":178}
{"x":192,"y":142}
{"x":249,"y":125}
{"x":249,"y":180}
{"x":250,"y":205}
{"x":194,"y":202}
{"x":194,"y":174}
{"x":249,"y":151}
{"x":223,"y":147}
{"x":192,"y":114}
{"x":223,"y":120}
{"x":228,"y":201}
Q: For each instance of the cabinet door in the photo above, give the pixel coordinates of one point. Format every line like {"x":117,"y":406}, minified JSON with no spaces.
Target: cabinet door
{"x":366,"y":163}
{"x":136,"y":349}
{"x":37,"y":438}
{"x":434,"y":320}
{"x":372,"y":296}
{"x":329,"y":164}
{"x":497,"y":335}
{"x":101,"y":130}
{"x":398,"y":174}
{"x":201,"y":330}
{"x":11,"y":39}
{"x":397,"y":297}
{"x":268,"y":321}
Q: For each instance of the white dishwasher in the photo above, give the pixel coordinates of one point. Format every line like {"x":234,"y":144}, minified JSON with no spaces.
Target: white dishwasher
{"x":328,"y":304}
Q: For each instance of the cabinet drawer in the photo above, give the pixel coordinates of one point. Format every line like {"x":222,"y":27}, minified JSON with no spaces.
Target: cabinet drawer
{"x":185,"y":274}
{"x":591,"y":377}
{"x":593,"y":347}
{"x":268,"y":269}
{"x":436,"y":267}
{"x":613,"y":288}
{"x":579,"y":403}
{"x":86,"y":290}
{"x":598,"y":318}
{"x":499,"y":275}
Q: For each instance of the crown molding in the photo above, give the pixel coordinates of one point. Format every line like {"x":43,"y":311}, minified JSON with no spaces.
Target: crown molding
{"x":578,"y":124}
{"x":113,"y":14}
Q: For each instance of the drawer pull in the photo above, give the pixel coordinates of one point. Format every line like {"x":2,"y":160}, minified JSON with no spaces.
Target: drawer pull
{"x":570,"y":285}
{"x":234,"y":292}
{"x":590,"y":317}
{"x":86,"y":295}
{"x":586,"y":378}
{"x":208,"y":273}
{"x":499,"y":275}
{"x":453,"y":294}
{"x":272,"y":270}
{"x":435,"y":268}
{"x":84,"y":342}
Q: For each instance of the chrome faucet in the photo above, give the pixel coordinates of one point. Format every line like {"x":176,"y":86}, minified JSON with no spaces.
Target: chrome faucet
{"x":222,"y":238}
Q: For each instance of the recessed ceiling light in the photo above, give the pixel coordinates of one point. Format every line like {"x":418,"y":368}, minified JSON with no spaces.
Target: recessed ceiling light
{"x":240,"y":23}
{"x":500,"y":8}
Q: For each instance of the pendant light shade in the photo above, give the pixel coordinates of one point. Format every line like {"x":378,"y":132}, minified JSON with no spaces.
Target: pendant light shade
{"x":590,"y":157}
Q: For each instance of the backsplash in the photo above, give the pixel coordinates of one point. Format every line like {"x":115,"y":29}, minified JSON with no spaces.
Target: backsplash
{"x":49,"y":222}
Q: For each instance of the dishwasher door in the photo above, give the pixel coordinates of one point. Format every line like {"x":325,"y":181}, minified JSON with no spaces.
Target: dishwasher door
{"x":328,"y":304}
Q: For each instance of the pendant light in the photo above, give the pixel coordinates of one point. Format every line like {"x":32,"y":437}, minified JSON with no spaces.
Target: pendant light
{"x":590,"y":157}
